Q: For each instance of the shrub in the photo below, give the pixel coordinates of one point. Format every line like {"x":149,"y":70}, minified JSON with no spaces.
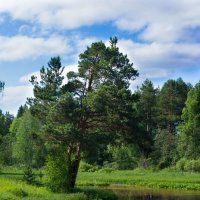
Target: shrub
{"x":106,"y":170}
{"x":56,"y":172}
{"x":197,"y":165}
{"x":122,"y":157}
{"x":20,"y":193}
{"x":29,"y":176}
{"x":86,"y":167}
{"x":188,"y":165}
{"x":180,"y":165}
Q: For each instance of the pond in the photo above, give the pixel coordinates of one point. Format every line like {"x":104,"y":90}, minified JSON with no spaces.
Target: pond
{"x":131,"y":193}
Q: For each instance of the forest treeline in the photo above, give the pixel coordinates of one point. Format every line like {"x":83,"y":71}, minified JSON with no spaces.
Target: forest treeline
{"x":95,"y":117}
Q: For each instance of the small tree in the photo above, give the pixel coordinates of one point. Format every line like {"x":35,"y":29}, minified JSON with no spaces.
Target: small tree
{"x":147,"y":110}
{"x":190,"y":126}
{"x":27,"y":134}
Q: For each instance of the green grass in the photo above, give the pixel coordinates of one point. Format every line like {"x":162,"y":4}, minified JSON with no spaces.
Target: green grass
{"x":14,"y":190}
{"x":12,"y":187}
{"x":161,"y":179}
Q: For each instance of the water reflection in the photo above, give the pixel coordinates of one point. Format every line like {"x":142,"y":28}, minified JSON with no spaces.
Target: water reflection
{"x":130,"y":193}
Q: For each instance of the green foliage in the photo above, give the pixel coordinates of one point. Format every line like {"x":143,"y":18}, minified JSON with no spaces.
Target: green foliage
{"x":29,"y":176}
{"x":5,"y":138}
{"x":56,"y":171}
{"x":170,"y":103}
{"x":20,"y":193}
{"x":122,"y":157}
{"x":28,"y":148}
{"x":188,"y":165}
{"x":86,"y":167}
{"x":190,"y":127}
{"x":95,"y":103}
{"x":106,"y":170}
{"x":180,"y":164}
{"x":146,"y":110}
{"x":21,"y":111}
{"x":165,"y":152}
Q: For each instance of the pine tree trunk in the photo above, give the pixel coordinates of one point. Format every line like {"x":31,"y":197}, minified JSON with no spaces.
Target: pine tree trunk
{"x":73,"y":166}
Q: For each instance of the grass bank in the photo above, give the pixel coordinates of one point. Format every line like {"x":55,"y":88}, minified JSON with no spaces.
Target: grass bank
{"x":161,"y":179}
{"x":12,"y":187}
{"x":14,"y":190}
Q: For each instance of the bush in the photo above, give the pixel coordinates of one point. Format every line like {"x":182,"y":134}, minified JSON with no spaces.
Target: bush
{"x":56,"y":172}
{"x":20,"y":193}
{"x":192,"y":166}
{"x":188,"y":165}
{"x":29,"y":176}
{"x":123,"y":157}
{"x":86,"y":167}
{"x":106,"y":170}
{"x":180,"y":165}
{"x":196,"y":166}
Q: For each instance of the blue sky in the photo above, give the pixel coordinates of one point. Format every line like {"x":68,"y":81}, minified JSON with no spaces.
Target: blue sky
{"x":161,"y":38}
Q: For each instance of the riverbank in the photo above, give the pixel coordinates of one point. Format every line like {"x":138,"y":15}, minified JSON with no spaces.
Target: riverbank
{"x":12,"y":186}
{"x":145,"y":178}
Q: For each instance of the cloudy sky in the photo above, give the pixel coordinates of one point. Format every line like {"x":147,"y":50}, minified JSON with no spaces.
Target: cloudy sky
{"x":161,"y":38}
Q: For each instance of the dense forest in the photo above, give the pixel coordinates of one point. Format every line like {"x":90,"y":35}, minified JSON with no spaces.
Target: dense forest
{"x":96,"y":121}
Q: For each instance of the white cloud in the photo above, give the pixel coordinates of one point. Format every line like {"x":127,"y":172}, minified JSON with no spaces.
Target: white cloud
{"x":13,"y":97}
{"x":160,"y":55}
{"x":22,"y":47}
{"x":164,"y":20}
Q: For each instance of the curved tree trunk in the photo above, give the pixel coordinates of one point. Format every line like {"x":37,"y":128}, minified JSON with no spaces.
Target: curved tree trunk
{"x":73,"y":166}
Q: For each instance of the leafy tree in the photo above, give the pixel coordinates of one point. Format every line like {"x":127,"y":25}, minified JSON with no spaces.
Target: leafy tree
{"x":24,"y":147}
{"x":171,"y":102}
{"x":165,"y":152}
{"x":5,"y":139}
{"x":122,"y":157}
{"x":21,"y":111}
{"x":95,"y":103}
{"x":190,"y":126}
{"x":146,"y":109}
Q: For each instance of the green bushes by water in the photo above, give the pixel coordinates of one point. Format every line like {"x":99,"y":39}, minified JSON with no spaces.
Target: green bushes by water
{"x":188,"y":165}
{"x":56,"y":172}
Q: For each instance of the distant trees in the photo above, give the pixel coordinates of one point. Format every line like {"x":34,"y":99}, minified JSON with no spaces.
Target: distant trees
{"x":170,"y":104}
{"x":2,"y":85}
{"x":190,"y":126}
{"x":27,"y":148}
{"x":147,"y":110}
{"x":5,"y":139}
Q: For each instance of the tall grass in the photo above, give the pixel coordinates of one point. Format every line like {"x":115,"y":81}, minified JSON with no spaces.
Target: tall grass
{"x":17,"y":190}
{"x":11,"y":189}
{"x":161,"y":179}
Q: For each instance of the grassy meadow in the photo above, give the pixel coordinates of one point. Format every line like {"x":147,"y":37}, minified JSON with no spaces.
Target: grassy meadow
{"x":12,"y":186}
{"x":161,"y":179}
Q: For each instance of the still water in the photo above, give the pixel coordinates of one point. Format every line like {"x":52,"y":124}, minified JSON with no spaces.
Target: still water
{"x":130,"y":193}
